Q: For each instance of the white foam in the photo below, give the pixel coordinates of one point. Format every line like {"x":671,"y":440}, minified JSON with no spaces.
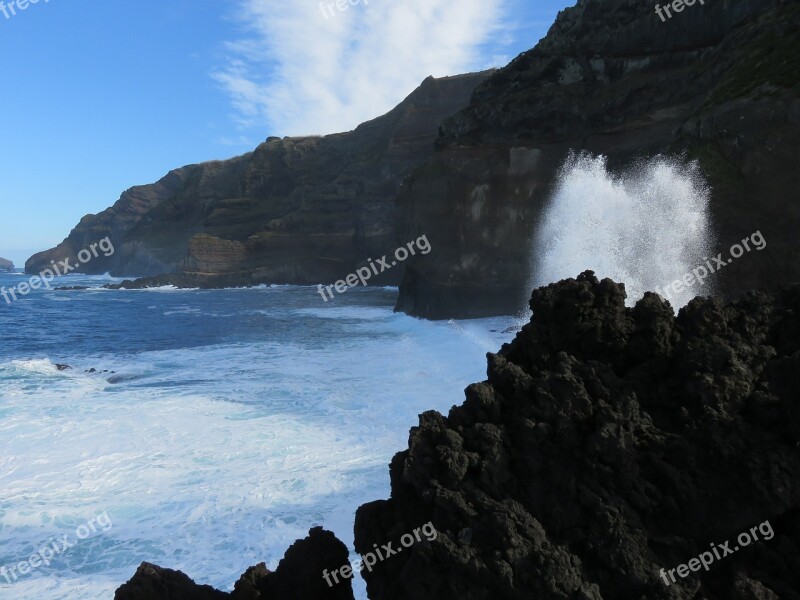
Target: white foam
{"x":644,"y":228}
{"x":42,"y":366}
{"x":364,"y":313}
{"x":212,"y":459}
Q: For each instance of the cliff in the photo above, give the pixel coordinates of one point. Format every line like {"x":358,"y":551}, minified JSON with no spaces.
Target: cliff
{"x":717,"y":82}
{"x":296,"y":210}
{"x":6,"y":266}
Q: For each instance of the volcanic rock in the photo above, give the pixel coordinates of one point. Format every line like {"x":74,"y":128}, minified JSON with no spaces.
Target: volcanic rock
{"x":297,"y":577}
{"x":606,"y":444}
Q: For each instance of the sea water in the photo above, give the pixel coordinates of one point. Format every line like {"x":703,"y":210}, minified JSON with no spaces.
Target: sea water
{"x":214,"y":428}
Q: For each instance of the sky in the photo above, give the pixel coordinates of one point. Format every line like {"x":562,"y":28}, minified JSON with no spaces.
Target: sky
{"x":96,"y":97}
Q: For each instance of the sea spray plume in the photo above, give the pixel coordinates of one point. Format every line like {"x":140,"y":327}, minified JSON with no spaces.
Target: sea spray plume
{"x":643,"y":227}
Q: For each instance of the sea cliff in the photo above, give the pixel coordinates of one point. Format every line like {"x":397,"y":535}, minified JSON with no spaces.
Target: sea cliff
{"x":717,"y":83}
{"x":295,"y":210}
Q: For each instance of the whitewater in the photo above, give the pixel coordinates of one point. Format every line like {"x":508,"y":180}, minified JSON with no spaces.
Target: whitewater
{"x":645,"y":226}
{"x":213,"y":427}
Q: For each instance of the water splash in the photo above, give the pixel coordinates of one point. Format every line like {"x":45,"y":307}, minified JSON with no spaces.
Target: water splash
{"x":646,"y":227}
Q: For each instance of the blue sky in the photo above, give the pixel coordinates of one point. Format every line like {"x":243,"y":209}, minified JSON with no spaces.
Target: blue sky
{"x":99,"y":96}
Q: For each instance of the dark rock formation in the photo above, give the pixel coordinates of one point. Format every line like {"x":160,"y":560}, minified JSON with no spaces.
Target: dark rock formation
{"x":296,"y":210}
{"x":608,"y":443}
{"x":717,"y":83}
{"x":192,"y":280}
{"x":6,"y":266}
{"x":151,"y":582}
{"x":299,"y":574}
{"x":298,"y":577}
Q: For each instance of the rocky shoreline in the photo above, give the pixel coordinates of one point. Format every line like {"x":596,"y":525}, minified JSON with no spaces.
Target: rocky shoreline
{"x":607,"y":443}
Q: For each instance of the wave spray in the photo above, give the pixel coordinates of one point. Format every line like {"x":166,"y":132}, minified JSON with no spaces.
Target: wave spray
{"x":645,"y":228}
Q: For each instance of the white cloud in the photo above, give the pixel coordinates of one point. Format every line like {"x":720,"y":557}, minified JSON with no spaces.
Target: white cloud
{"x":296,"y":72}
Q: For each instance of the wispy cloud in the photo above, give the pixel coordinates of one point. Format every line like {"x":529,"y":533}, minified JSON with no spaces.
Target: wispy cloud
{"x":296,"y":72}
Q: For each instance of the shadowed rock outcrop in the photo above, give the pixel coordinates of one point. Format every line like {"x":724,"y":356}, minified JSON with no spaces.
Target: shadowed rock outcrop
{"x":6,"y":266}
{"x":606,"y":444}
{"x":151,"y":581}
{"x":297,"y":577}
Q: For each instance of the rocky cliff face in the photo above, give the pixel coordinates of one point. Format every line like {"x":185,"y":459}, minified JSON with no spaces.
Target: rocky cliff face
{"x":717,"y":82}
{"x":296,"y":210}
{"x":115,"y":222}
{"x":606,"y":444}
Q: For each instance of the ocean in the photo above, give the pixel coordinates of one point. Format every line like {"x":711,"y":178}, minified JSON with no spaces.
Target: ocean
{"x":211,"y":428}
